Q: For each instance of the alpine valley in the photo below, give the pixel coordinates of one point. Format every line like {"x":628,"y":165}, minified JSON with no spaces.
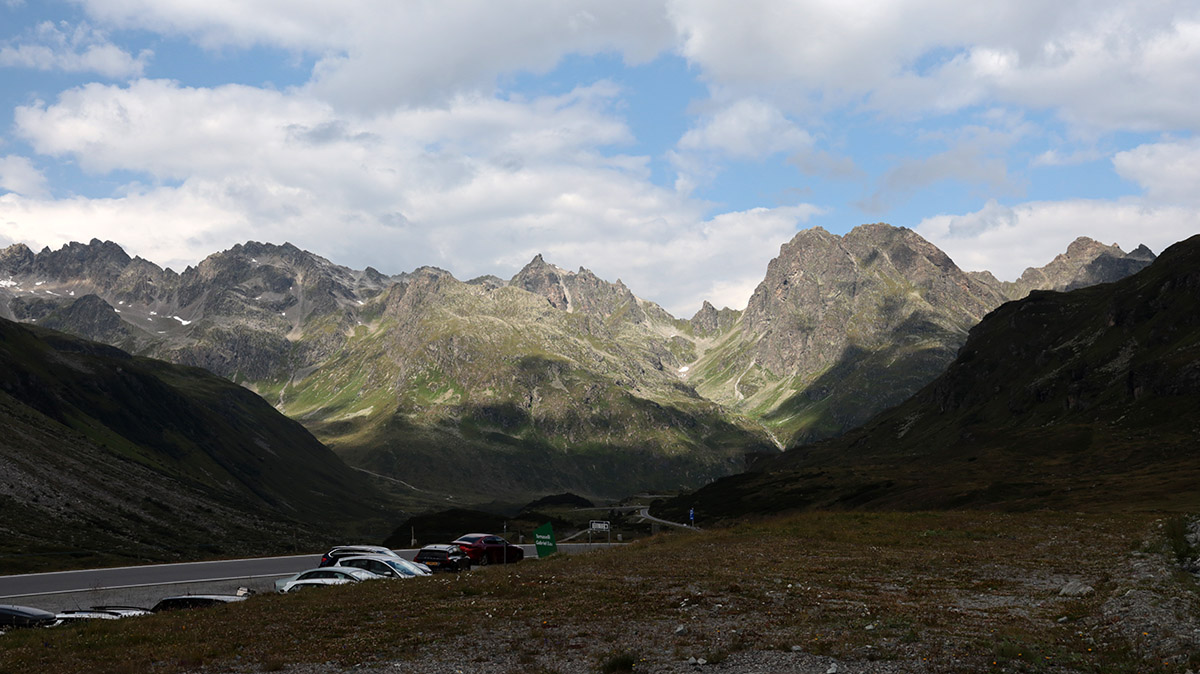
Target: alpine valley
{"x":553,"y":380}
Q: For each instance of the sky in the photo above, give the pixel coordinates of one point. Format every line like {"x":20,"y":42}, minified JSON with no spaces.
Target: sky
{"x":674,"y":145}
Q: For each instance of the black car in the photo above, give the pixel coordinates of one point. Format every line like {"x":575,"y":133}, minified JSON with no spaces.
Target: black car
{"x":24,"y":616}
{"x":444,"y":558}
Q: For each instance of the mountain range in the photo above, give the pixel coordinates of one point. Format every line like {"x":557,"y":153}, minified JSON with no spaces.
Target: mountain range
{"x":1068,"y":400}
{"x":553,"y":380}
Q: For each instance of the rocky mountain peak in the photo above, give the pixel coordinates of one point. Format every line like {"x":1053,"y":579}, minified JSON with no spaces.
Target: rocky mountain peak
{"x":1086,"y":262}
{"x":99,"y":262}
{"x":1142,"y":253}
{"x":709,"y":321}
{"x":826,"y":292}
{"x":584,"y":292}
{"x":15,"y":259}
{"x":546,"y":280}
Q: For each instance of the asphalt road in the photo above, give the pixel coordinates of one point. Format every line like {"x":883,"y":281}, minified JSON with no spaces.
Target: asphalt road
{"x":33,"y":584}
{"x":144,"y":585}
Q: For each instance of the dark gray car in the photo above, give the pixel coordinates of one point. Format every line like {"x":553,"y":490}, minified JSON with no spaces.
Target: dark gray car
{"x":24,"y":616}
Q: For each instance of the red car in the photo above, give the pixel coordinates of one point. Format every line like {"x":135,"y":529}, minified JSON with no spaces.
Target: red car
{"x":484,"y":549}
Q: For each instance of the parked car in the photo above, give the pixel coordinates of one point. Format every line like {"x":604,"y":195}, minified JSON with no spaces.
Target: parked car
{"x":124,"y":611}
{"x":330,"y":558}
{"x":99,"y":613}
{"x":484,"y":549}
{"x":188,"y":601}
{"x":329,"y":575}
{"x":417,"y":567}
{"x":380,"y":565}
{"x":444,"y":558}
{"x":24,"y":616}
{"x":76,"y":615}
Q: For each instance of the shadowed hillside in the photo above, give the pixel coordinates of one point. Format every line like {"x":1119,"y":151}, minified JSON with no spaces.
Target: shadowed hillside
{"x":107,"y":456}
{"x":1084,"y":399}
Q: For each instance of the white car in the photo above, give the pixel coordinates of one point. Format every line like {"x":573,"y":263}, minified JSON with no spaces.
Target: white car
{"x":388,"y":567}
{"x":330,"y":558}
{"x":328,"y":575}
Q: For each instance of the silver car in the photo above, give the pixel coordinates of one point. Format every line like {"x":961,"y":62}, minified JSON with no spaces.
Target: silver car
{"x":388,"y":567}
{"x":329,"y":575}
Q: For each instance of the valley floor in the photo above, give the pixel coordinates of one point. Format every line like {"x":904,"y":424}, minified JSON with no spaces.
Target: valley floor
{"x":817,"y":592}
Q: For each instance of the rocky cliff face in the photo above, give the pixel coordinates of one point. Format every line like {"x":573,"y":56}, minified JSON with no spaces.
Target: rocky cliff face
{"x":586,"y":293}
{"x":876,"y":286}
{"x":1086,"y":262}
{"x":709,"y":322}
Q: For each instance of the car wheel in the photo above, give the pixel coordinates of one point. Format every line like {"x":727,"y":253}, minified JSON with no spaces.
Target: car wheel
{"x":483,"y":559}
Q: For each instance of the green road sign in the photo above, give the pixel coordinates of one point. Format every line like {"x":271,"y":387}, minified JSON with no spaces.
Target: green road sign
{"x":543,"y":539}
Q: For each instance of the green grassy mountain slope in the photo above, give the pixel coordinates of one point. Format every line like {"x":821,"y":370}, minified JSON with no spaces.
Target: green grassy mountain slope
{"x":1085,"y":399}
{"x":110,"y":456}
{"x":550,"y":382}
{"x":488,"y":390}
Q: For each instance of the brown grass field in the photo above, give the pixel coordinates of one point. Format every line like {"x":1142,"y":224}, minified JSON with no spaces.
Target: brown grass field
{"x":940,"y":592}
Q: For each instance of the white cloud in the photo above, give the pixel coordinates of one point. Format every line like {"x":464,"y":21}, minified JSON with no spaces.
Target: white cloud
{"x":680,"y":262}
{"x":617,"y":227}
{"x":476,"y":186}
{"x":1168,"y":171}
{"x":993,"y":216}
{"x":1055,"y":157}
{"x":746,"y":129}
{"x":377,"y":54}
{"x":18,"y":174}
{"x":79,"y":49}
{"x":405,"y":143}
{"x":942,"y":55}
{"x":975,"y":157}
{"x":1005,"y":241}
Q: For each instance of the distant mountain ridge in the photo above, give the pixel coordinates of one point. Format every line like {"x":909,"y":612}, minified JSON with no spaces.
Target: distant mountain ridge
{"x":1080,"y":399}
{"x":845,"y":326}
{"x":480,"y":388}
{"x":553,"y":380}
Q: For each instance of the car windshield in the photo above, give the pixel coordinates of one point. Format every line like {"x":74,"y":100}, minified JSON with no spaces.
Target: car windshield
{"x":316,"y":574}
{"x":400,"y":568}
